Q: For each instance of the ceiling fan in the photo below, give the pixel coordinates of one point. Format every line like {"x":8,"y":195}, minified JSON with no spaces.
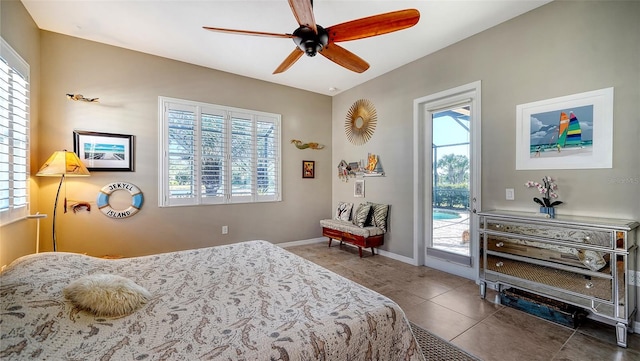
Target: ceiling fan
{"x":311,"y":38}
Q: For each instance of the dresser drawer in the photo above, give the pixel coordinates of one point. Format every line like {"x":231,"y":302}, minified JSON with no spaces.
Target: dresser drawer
{"x":594,"y":287}
{"x":571,"y":256}
{"x":593,"y":237}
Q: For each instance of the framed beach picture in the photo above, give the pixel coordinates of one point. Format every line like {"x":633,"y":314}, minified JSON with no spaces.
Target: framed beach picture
{"x":104,"y":151}
{"x":569,"y":132}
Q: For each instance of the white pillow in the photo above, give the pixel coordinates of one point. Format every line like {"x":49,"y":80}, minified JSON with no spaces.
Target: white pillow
{"x":343,"y":212}
{"x":106,"y":295}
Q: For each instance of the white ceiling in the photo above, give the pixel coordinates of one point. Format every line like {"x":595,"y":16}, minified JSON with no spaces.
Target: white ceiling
{"x":173,"y":29}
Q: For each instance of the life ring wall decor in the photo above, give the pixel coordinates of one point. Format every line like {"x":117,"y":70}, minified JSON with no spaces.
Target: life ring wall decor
{"x":361,"y":122}
{"x":105,"y":207}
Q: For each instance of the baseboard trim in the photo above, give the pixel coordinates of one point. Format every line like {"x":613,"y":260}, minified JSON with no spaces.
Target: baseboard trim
{"x":303,"y":242}
{"x":381,"y":252}
{"x":397,"y":257}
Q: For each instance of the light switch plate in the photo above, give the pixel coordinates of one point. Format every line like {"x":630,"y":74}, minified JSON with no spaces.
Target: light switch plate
{"x":510,"y":194}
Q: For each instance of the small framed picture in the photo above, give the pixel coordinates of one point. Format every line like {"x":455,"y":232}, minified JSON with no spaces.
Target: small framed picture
{"x":104,"y":151}
{"x":358,"y":188}
{"x":308,"y":169}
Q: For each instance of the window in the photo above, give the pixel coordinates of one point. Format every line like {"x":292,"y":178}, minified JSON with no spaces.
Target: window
{"x":212,"y":154}
{"x":14,"y":135}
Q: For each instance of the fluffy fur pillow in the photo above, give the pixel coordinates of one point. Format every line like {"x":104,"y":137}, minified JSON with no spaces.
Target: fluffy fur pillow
{"x":106,"y":295}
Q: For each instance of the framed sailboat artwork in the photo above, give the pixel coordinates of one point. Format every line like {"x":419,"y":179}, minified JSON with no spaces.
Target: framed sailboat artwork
{"x":569,"y":132}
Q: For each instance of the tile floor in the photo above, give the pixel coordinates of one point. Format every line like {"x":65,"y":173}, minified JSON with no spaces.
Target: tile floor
{"x":450,"y":307}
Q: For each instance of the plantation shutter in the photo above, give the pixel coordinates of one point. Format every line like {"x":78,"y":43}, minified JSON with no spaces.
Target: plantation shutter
{"x":268,"y":158}
{"x":215,"y":154}
{"x":255,"y":158}
{"x":180,"y":162}
{"x":213,"y":160}
{"x":242,"y":161}
{"x":14,"y":135}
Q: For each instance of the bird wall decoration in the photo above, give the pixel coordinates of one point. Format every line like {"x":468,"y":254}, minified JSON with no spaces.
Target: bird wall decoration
{"x":312,"y":145}
{"x":79,"y":97}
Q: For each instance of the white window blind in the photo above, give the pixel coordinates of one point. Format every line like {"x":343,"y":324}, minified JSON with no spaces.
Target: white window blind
{"x":14,"y":135}
{"x":212,"y":154}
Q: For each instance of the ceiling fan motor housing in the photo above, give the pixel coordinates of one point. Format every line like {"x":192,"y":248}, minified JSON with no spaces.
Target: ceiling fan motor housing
{"x":310,"y":42}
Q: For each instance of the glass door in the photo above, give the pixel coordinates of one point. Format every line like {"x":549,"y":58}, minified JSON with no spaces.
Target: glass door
{"x":450,"y":237}
{"x":447,"y":179}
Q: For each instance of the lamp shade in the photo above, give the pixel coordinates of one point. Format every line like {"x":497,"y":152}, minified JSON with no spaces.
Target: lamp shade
{"x":65,"y":163}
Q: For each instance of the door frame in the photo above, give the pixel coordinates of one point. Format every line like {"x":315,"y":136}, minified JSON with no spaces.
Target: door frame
{"x":422,"y":181}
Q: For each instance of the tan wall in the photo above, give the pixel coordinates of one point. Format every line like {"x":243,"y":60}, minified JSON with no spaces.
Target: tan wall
{"x":558,"y":49}
{"x":21,"y":33}
{"x":561,"y":48}
{"x":128,"y":84}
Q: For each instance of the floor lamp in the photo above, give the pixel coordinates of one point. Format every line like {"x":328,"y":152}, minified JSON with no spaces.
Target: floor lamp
{"x":62,"y":164}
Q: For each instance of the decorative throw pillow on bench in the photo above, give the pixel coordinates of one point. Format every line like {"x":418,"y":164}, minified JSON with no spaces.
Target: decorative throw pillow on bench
{"x":379,"y":215}
{"x":371,"y":214}
{"x":343,"y":212}
{"x":367,"y":214}
{"x":361,"y":216}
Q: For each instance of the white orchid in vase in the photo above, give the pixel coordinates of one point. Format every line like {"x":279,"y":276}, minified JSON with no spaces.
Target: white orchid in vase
{"x":548,"y":189}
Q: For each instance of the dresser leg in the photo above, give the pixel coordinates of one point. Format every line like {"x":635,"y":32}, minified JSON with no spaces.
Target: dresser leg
{"x":621,"y":334}
{"x":483,"y":290}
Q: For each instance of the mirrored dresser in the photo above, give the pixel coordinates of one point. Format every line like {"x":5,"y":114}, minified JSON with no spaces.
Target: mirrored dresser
{"x":582,"y":261}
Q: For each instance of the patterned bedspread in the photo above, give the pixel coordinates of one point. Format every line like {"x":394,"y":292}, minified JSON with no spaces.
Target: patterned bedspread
{"x":246,"y":301}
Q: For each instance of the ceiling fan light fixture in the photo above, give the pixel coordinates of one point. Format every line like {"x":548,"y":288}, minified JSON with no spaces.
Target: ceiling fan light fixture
{"x":311,"y":38}
{"x":311,"y":48}
{"x":310,"y":42}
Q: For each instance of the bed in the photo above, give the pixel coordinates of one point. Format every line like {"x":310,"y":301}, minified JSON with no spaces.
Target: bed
{"x":245,"y":301}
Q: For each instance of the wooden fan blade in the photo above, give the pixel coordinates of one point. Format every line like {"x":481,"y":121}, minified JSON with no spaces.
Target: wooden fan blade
{"x":374,"y":25}
{"x":292,"y":58}
{"x":344,"y":58}
{"x":248,"y":32}
{"x":303,"y":11}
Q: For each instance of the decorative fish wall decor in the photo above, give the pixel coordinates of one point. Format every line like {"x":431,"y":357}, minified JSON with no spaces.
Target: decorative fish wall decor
{"x":311,"y":145}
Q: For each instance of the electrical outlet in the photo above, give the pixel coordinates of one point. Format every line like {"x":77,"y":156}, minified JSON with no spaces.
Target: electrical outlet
{"x":633,"y":277}
{"x":225,"y":229}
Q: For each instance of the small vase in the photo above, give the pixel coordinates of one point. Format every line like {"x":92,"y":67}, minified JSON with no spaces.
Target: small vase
{"x":548,"y":210}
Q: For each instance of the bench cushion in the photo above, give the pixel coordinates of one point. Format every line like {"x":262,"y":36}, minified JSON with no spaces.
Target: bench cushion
{"x":351,"y":228}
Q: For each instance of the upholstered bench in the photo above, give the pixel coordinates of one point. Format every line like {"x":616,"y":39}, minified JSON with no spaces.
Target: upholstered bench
{"x":367,"y":229}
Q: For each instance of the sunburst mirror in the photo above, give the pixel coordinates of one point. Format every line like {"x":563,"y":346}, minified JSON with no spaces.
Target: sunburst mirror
{"x":361,"y":122}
